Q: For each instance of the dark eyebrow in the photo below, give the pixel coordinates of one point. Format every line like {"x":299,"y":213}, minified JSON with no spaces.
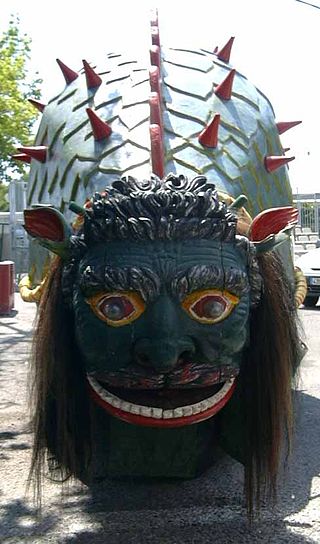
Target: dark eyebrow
{"x":97,"y":278}
{"x":210,"y":277}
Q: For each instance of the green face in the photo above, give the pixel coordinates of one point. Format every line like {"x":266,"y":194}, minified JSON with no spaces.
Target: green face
{"x":167,"y":332}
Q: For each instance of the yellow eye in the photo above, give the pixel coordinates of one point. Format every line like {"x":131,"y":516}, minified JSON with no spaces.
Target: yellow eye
{"x":118,"y":308}
{"x":210,"y":305}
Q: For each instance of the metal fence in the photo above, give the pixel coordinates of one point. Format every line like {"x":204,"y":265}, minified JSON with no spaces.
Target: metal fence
{"x":308,"y":206}
{"x":14,"y":243}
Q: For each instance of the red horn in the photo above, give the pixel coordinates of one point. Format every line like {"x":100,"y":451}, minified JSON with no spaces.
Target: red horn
{"x":224,"y":53}
{"x":21,"y":157}
{"x":283,"y":126}
{"x":209,"y":135}
{"x":69,"y":75}
{"x":37,"y":104}
{"x":37,"y":152}
{"x":224,"y":89}
{"x":272,"y":163}
{"x":93,"y":80}
{"x":100,"y":128}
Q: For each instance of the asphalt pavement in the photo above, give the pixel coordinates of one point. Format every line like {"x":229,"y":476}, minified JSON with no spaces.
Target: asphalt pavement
{"x":208,"y":509}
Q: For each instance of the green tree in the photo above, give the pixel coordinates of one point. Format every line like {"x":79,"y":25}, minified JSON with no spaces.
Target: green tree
{"x":4,"y":204}
{"x":17,"y":115}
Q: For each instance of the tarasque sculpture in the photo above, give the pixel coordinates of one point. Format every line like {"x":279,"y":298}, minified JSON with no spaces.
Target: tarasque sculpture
{"x":167,"y":322}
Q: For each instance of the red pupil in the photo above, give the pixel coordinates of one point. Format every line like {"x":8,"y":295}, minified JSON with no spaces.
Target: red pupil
{"x":209,"y":307}
{"x":116,"y":308}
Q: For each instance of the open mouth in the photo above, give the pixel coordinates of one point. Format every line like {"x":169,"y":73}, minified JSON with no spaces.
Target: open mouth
{"x":167,"y":407}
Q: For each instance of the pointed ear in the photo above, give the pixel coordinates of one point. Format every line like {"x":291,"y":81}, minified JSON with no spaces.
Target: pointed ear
{"x":272,"y":227}
{"x":272,"y":221}
{"x":49,"y":227}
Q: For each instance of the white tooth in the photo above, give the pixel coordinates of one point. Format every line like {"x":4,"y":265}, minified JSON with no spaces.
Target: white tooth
{"x":115,"y":402}
{"x":167,"y":414}
{"x":145,"y":411}
{"x":204,"y":405}
{"x":178,"y":412}
{"x":125,"y":406}
{"x":135,"y":409}
{"x":212,"y":400}
{"x":157,"y":413}
{"x":106,"y":395}
{"x":187,"y":411}
{"x":196,"y":408}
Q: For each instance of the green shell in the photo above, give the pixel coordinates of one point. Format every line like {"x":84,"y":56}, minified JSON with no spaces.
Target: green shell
{"x":77,"y":165}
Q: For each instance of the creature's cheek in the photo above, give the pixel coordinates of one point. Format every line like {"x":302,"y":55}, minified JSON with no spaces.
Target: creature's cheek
{"x":224,"y":342}
{"x":102,"y":347}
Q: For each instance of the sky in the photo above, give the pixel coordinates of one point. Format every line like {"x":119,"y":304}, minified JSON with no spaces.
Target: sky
{"x":277,"y":44}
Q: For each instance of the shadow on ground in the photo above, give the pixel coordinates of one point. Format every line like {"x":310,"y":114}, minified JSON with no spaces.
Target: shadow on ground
{"x":203,"y":510}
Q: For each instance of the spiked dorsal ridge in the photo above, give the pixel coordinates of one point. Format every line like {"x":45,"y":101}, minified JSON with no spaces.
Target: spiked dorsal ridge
{"x":224,"y":89}
{"x":209,"y":135}
{"x":69,"y":75}
{"x":155,"y":56}
{"x":273,"y":162}
{"x":283,"y":126}
{"x":154,"y":78}
{"x":225,"y":52}
{"x":100,"y":128}
{"x":155,"y":36}
{"x":157,"y":151}
{"x":154,"y":21}
{"x":155,"y":109}
{"x":92,"y":78}
{"x":37,"y":104}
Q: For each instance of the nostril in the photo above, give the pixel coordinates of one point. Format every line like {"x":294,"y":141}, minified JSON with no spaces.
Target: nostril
{"x":186,"y":356}
{"x":142,"y":359}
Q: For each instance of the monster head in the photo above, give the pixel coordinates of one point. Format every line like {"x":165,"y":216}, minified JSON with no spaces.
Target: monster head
{"x":161,"y":296}
{"x":167,"y":324}
{"x":158,"y":310}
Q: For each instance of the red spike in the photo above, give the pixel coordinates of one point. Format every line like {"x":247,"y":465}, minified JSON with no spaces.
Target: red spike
{"x":154,"y":17}
{"x":37,"y":152}
{"x":224,"y":89}
{"x":286,"y":125}
{"x":69,"y":75}
{"x":272,"y":221}
{"x":272,"y":163}
{"x":224,"y":53}
{"x":93,"y":80}
{"x":155,"y":110}
{"x":100,"y":129}
{"x":155,"y":36}
{"x":37,"y":104}
{"x":21,"y":157}
{"x":155,"y":55}
{"x":209,"y":135}
{"x":215,"y":51}
{"x":157,"y":153}
{"x":154,"y":77}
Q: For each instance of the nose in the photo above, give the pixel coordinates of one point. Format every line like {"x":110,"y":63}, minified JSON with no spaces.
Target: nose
{"x":163,"y":343}
{"x":161,"y":356}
